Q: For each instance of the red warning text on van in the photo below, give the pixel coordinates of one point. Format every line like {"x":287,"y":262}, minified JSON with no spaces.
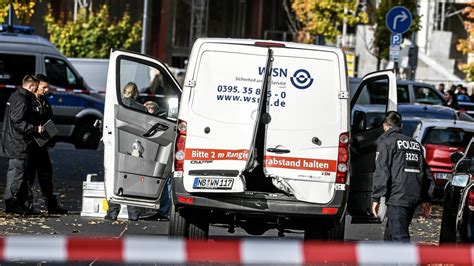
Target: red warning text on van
{"x":216,"y":154}
{"x":309,"y":164}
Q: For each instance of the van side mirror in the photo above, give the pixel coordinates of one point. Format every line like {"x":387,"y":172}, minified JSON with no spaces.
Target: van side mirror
{"x":359,"y":122}
{"x":456,"y":156}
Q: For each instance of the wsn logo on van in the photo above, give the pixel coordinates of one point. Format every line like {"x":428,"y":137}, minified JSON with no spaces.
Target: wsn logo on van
{"x":301,"y":79}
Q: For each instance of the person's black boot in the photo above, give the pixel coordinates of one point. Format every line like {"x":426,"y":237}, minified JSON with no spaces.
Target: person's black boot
{"x":13,"y":207}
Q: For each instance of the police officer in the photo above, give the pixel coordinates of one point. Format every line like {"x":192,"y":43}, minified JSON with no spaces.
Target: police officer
{"x":20,"y":123}
{"x":40,"y":163}
{"x":402,"y":176}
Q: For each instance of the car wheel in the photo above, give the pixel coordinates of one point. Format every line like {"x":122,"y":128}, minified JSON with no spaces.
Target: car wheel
{"x":199,"y":225}
{"x":86,"y":136}
{"x":179,"y":224}
{"x":448,"y":225}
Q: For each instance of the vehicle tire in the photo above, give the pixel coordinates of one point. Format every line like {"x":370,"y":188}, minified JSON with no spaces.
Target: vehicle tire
{"x":86,"y":136}
{"x":335,"y":231}
{"x":447,"y":232}
{"x":179,"y":224}
{"x":315,"y":231}
{"x":199,"y":225}
{"x":326,"y":230}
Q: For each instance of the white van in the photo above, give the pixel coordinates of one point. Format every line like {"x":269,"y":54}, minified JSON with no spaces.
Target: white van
{"x":262,"y":141}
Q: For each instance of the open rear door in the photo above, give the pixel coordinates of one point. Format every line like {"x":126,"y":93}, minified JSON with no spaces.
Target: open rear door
{"x":141,"y":110}
{"x":301,"y":144}
{"x":377,"y":94}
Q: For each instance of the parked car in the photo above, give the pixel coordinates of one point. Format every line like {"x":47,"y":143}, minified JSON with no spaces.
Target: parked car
{"x":371,"y":115}
{"x":457,"y":222}
{"x":75,"y":106}
{"x":408,"y":91}
{"x":440,"y":138}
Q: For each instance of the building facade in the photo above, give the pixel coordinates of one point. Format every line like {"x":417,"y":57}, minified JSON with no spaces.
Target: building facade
{"x":173,"y":25}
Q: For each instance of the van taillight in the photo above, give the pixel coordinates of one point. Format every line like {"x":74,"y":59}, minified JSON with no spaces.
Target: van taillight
{"x":342,"y":158}
{"x":470,"y":199}
{"x":180,"y":146}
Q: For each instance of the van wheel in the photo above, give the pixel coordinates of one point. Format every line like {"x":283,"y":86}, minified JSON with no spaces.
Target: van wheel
{"x":335,"y":231}
{"x":447,"y":232}
{"x":179,"y":224}
{"x":327,"y":230}
{"x":199,"y":225}
{"x":315,"y":231}
{"x":86,"y":136}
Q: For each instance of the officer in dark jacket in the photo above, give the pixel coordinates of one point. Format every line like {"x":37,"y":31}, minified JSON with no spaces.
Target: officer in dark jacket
{"x":20,"y":123}
{"x":40,"y":163}
{"x":402,"y":176}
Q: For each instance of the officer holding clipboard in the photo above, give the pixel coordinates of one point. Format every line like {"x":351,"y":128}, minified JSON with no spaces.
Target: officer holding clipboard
{"x":40,"y":162}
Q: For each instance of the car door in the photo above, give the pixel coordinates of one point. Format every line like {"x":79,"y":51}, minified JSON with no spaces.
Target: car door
{"x":141,"y":108}
{"x":427,"y":95}
{"x":366,"y":126}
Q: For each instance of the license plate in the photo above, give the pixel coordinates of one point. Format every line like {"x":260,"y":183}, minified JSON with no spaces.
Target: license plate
{"x":213,"y":183}
{"x":444,"y":176}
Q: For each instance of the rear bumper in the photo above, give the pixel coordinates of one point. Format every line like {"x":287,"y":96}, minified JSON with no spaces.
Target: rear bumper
{"x":258,"y":204}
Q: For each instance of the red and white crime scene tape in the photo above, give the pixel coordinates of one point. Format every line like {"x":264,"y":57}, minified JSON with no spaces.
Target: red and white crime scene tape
{"x":252,"y":251}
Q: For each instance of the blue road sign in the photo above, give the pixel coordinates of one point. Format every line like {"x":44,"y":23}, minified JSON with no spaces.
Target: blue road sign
{"x":398,"y":19}
{"x":395,"y":39}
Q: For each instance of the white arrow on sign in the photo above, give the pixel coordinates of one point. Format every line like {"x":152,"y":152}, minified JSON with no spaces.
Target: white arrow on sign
{"x":403,"y":16}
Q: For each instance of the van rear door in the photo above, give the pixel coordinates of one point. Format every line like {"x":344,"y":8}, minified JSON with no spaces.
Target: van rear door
{"x":141,"y":108}
{"x":224,"y":81}
{"x":368,"y":106}
{"x":307,"y":118}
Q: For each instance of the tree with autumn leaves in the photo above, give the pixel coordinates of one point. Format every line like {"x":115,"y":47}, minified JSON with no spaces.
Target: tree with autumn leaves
{"x":24,"y":9}
{"x":325,"y":17}
{"x":92,"y":34}
{"x":466,"y":46}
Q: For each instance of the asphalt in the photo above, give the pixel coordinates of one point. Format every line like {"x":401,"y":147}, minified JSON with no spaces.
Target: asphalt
{"x":70,"y":169}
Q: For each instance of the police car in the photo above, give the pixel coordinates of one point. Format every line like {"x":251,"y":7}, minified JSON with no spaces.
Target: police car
{"x":279,"y":165}
{"x":75,"y":106}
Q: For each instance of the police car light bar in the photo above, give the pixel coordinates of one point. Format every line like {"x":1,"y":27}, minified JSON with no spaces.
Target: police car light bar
{"x":17,"y":29}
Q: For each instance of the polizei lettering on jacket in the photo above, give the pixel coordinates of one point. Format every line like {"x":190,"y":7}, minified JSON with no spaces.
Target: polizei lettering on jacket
{"x":408,"y":145}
